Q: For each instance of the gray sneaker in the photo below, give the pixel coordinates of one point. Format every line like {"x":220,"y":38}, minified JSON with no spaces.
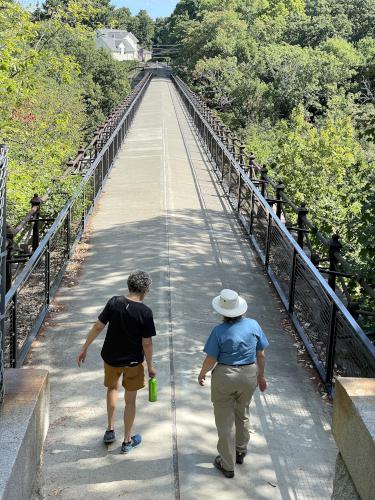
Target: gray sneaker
{"x":240,"y":455}
{"x":109,"y":437}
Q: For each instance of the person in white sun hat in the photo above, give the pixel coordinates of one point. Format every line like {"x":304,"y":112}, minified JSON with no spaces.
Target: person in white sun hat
{"x":235,"y":354}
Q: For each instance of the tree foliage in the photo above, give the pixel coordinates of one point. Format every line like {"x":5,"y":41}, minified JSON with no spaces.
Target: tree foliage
{"x":55,"y":89}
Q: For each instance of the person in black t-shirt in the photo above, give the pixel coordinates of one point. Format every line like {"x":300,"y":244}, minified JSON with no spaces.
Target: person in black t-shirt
{"x":128,"y":341}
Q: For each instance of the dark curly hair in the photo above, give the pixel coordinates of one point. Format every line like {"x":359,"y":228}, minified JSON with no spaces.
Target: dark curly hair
{"x":139,"y":282}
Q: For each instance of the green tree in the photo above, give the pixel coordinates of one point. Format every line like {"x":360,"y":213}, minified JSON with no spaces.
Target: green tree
{"x":362,"y":17}
{"x":122,"y":19}
{"x":143,"y":27}
{"x":218,"y":34}
{"x":324,"y":167}
{"x":104,"y":81}
{"x":218,"y":78}
{"x":91,"y":13}
{"x":55,"y":88}
{"x":364,"y":234}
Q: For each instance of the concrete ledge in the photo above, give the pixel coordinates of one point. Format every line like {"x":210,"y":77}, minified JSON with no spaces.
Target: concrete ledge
{"x":343,"y":486}
{"x":24,"y":420}
{"x":354,"y":431}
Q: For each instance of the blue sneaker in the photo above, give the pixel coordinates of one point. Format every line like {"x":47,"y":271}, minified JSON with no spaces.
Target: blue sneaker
{"x":135,"y":441}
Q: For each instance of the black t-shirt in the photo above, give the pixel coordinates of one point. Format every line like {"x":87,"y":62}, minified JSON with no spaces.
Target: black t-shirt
{"x":129,"y":322}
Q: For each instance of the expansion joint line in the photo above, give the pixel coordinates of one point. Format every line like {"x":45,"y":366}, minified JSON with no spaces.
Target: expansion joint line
{"x":176,"y":475}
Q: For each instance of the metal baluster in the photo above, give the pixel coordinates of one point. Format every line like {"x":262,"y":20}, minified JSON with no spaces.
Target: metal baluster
{"x":3,"y":239}
{"x":334,"y":247}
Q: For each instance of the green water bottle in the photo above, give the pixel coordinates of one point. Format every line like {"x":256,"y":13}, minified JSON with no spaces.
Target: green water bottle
{"x":152,"y":389}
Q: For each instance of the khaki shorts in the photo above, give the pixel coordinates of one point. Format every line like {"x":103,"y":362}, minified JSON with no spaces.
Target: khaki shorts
{"x":133,"y":377}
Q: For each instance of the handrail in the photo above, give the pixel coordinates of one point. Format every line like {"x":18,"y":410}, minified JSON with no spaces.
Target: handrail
{"x":300,"y":269}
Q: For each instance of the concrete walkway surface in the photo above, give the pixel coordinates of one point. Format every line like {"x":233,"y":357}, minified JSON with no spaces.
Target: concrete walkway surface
{"x":163,"y":211}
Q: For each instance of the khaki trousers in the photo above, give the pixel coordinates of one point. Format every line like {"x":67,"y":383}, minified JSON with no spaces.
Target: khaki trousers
{"x":232,"y":388}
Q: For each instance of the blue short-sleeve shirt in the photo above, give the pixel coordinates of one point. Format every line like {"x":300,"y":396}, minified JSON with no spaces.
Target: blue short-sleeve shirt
{"x":236,"y":343}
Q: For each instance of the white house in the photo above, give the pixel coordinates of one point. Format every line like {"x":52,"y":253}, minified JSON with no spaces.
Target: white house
{"x":144,"y":55}
{"x":123,"y":45}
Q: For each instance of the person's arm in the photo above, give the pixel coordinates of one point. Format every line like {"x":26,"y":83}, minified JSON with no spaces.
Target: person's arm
{"x":261,"y":363}
{"x":93,"y":333}
{"x":208,"y":365}
{"x":148,"y":350}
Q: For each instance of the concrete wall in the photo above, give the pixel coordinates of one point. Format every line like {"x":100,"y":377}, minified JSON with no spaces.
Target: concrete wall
{"x":24,"y":421}
{"x":354,"y":431}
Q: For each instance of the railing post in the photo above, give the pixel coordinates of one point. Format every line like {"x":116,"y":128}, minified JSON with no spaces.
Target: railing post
{"x":263,"y":177}
{"x":96,"y":144}
{"x":36,"y":202}
{"x":68,"y":231}
{"x":331,"y":347}
{"x":3,"y":231}
{"x":302,"y":212}
{"x":268,"y":241}
{"x":69,"y":164}
{"x":14,"y":333}
{"x":48,"y":272}
{"x":242,"y":156}
{"x":292,"y":286}
{"x":354,"y":308}
{"x":222,"y":133}
{"x":230,"y":175}
{"x":251,"y":171}
{"x":233,"y":145}
{"x":9,"y":250}
{"x":239,"y":190}
{"x":251,"y":221}
{"x":279,"y":191}
{"x":82,"y":160}
{"x":334,"y":247}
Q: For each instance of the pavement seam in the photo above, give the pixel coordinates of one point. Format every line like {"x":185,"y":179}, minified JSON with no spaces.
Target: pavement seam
{"x":176,"y":475}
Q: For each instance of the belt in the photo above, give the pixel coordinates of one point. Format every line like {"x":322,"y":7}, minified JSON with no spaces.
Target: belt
{"x":244,"y":364}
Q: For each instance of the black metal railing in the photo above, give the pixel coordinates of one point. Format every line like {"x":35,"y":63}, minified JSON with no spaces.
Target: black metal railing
{"x":29,"y":296}
{"x":333,"y":339}
{"x":3,"y":176}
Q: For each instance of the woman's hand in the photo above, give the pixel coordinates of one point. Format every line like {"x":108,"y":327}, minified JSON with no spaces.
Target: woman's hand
{"x":262,"y":383}
{"x":201,"y":378}
{"x":208,"y":364}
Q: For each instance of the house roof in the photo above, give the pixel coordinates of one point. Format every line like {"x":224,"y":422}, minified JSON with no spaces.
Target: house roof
{"x":128,"y":47}
{"x":113,"y":39}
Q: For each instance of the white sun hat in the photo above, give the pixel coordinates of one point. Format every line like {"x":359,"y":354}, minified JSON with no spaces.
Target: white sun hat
{"x":229,"y":304}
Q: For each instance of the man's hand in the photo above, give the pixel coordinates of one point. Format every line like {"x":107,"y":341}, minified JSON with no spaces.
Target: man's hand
{"x":81,"y":357}
{"x":262,"y":383}
{"x":201,"y":379}
{"x":152,"y":372}
{"x":93,"y":333}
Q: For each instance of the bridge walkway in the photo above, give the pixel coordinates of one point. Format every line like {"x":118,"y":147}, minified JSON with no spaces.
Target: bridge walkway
{"x":162,"y":211}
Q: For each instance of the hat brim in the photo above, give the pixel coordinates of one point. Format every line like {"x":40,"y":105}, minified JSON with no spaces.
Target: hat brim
{"x":230,"y":313}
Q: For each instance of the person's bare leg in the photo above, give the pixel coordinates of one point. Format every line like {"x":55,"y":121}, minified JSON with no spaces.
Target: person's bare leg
{"x":111,"y":407}
{"x":129,"y":414}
